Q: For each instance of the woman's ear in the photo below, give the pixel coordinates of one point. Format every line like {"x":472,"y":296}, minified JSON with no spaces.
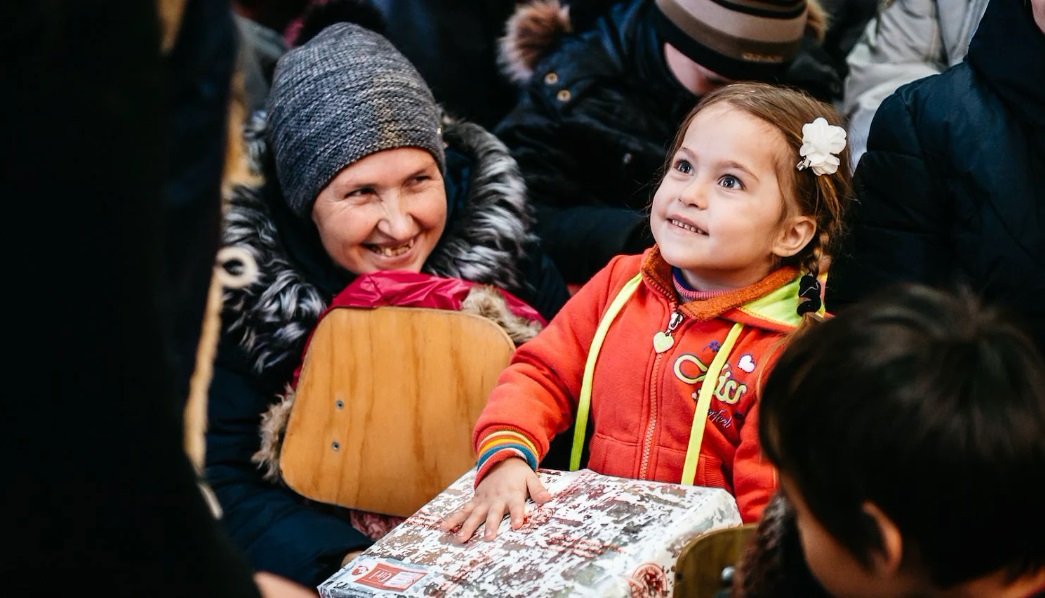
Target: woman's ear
{"x":887,"y":558}
{"x":795,"y":233}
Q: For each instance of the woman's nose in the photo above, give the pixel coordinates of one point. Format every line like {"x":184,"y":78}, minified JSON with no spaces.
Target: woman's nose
{"x":396,"y":222}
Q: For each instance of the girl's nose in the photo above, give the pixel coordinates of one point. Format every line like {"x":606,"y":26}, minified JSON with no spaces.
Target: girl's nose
{"x":694,"y":194}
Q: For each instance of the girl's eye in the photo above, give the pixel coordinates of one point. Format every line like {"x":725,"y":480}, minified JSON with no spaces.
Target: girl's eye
{"x":421,"y":178}
{"x":682,"y":165}
{"x":730,"y":182}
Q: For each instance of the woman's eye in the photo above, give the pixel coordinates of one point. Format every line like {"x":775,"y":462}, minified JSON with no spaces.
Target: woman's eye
{"x":730,"y":182}
{"x":682,"y":165}
{"x":360,"y":192}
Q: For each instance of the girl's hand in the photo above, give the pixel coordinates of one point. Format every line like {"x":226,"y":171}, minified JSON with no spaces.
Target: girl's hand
{"x":506,"y":487}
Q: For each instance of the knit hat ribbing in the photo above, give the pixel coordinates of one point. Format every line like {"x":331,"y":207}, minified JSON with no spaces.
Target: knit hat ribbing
{"x":342,"y":96}
{"x":738,"y":39}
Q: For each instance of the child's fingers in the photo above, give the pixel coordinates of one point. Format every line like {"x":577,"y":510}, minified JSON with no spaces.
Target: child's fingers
{"x":471,"y":523}
{"x":537,"y":490}
{"x":517,"y":510}
{"x":493,"y":520}
{"x":457,"y":517}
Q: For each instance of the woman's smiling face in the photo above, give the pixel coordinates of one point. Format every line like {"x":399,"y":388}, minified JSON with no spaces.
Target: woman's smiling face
{"x":386,"y":211}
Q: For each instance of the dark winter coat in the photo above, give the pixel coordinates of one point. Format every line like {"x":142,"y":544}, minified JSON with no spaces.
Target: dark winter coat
{"x":952,"y":188}
{"x":99,"y":497}
{"x":596,"y":116}
{"x":265,"y":326}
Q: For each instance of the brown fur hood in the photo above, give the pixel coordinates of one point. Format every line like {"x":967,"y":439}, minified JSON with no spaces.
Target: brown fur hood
{"x":531,"y":32}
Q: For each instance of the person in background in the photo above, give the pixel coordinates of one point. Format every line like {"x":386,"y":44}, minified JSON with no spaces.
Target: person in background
{"x":685,"y":331}
{"x":908,"y":40}
{"x":100,"y":496}
{"x":600,"y":101}
{"x":454,"y":46}
{"x":362,"y":175}
{"x":952,"y":187}
{"x":908,"y":435}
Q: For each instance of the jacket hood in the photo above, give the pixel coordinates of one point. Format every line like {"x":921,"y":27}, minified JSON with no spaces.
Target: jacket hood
{"x":488,"y":228}
{"x":530,"y":34}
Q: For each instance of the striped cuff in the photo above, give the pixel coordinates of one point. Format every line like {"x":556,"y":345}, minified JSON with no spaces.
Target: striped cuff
{"x":501,"y":445}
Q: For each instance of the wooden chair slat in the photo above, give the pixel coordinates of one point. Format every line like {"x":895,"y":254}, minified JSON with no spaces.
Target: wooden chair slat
{"x":386,"y":403}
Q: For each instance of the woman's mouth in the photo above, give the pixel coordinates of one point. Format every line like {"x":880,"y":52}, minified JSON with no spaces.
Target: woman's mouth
{"x":687,"y":226}
{"x":390,"y":251}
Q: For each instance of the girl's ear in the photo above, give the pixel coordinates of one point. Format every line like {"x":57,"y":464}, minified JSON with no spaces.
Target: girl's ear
{"x":887,"y":559}
{"x":795,"y":233}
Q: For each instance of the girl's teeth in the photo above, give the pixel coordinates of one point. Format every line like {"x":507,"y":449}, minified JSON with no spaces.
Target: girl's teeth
{"x":685,"y":226}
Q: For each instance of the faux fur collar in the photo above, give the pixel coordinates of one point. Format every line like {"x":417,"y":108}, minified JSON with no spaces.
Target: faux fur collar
{"x":484,"y":242}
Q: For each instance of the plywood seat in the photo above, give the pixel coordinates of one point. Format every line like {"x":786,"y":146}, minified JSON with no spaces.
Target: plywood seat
{"x":386,"y":403}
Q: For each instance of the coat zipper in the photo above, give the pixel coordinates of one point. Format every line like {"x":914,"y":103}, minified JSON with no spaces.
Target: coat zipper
{"x":674,"y":320}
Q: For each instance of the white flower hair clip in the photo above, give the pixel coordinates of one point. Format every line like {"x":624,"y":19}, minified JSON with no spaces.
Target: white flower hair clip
{"x":821,"y":144}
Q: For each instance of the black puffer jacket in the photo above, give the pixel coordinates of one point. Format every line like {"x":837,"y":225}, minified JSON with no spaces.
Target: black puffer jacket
{"x":952,"y":188}
{"x":596,"y":116}
{"x":265,"y":326}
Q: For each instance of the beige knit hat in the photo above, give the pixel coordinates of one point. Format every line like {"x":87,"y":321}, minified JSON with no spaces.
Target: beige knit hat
{"x":738,"y":39}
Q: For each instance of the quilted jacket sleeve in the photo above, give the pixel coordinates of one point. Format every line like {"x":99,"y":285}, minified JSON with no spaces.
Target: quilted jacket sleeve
{"x":899,"y":221}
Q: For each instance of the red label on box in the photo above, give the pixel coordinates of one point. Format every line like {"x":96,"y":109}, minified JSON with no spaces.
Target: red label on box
{"x":387,"y":577}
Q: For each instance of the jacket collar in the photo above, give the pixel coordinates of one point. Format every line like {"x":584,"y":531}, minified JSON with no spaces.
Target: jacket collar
{"x":770,"y":303}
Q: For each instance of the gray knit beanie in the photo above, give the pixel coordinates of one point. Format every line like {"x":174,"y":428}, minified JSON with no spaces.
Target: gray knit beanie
{"x":342,"y":96}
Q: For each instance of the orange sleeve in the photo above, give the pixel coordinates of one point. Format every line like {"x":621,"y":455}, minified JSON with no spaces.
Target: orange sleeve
{"x":755,"y":479}
{"x":536,"y":395}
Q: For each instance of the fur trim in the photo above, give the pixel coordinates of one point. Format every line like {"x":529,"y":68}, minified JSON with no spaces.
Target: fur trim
{"x":530,"y":33}
{"x":487,"y":302}
{"x":485,"y":243}
{"x":274,"y":314}
{"x":273,"y":427}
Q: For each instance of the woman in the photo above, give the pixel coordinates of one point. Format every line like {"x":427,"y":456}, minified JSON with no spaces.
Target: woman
{"x":371,"y":177}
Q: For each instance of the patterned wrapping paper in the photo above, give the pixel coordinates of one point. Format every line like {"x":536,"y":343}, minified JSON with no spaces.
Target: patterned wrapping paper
{"x":598,"y":536}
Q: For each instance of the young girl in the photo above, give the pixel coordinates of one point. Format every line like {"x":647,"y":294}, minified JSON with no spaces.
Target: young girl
{"x":745,"y":216}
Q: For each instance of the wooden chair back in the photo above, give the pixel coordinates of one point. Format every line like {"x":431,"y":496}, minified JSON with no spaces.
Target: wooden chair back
{"x":699,"y":569}
{"x":385,"y":405}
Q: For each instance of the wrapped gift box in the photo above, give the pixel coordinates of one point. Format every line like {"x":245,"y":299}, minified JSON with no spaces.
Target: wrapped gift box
{"x":598,"y":536}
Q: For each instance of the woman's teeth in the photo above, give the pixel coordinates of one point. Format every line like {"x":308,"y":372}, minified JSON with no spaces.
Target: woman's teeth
{"x":396,"y":251}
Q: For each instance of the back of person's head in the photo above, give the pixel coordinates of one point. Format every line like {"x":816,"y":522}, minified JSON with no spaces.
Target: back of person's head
{"x":345,"y":94}
{"x":739,"y":40}
{"x":930,"y":407}
{"x":822,"y":196}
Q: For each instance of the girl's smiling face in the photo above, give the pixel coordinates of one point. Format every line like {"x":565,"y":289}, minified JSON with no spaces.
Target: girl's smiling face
{"x":720,"y":214}
{"x":385,"y":211}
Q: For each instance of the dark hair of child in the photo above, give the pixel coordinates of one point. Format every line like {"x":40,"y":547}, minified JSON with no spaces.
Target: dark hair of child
{"x":930,"y":406}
